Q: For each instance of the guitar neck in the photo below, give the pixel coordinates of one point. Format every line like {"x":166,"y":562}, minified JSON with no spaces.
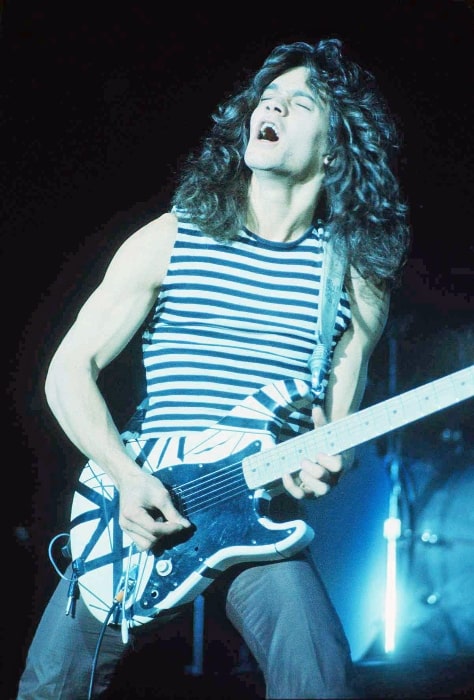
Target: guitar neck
{"x":264,"y":467}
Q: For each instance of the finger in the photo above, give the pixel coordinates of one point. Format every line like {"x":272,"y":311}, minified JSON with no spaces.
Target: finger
{"x":309,"y":486}
{"x":328,"y":470}
{"x":330,"y":478}
{"x":172,"y":515}
{"x":147,"y":538}
{"x":314,"y":487}
{"x":292,"y":484}
{"x":149,"y":523}
{"x":161,"y":504}
{"x":314,"y":479}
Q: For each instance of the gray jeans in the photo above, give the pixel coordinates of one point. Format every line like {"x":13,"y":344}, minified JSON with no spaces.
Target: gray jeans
{"x":280,"y":609}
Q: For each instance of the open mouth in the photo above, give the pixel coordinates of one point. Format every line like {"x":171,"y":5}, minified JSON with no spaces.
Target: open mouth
{"x":268,"y":132}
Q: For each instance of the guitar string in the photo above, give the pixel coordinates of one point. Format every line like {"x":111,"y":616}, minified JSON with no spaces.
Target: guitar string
{"x":236,"y":479}
{"x":209,"y":489}
{"x":201,"y":493}
{"x":202,"y":485}
{"x":204,"y":492}
{"x":208,"y":478}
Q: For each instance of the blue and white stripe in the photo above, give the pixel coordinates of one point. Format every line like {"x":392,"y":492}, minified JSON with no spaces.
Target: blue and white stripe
{"x":231,"y":318}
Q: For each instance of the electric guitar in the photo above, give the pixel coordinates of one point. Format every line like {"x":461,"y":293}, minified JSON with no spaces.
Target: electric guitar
{"x":223,"y":480}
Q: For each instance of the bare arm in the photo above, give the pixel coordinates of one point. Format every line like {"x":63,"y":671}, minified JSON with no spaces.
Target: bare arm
{"x":348,"y":378}
{"x":347,"y":383}
{"x":105,"y":324}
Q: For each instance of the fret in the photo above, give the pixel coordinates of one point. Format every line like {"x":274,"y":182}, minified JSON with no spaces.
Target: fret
{"x":271,"y":464}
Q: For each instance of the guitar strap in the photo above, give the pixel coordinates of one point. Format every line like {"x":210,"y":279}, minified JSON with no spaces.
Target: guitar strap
{"x":332,"y":279}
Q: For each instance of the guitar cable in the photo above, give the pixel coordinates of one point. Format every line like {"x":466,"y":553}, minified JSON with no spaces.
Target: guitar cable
{"x":73,"y":594}
{"x":127,"y":584}
{"x":119,"y":604}
{"x":73,"y":590}
{"x":116,"y":604}
{"x":65,"y":551}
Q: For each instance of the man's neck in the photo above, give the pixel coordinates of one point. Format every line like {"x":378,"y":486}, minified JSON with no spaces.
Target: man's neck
{"x":278,"y":212}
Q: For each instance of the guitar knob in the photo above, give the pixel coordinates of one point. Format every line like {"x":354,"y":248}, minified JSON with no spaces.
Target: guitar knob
{"x":164,"y":567}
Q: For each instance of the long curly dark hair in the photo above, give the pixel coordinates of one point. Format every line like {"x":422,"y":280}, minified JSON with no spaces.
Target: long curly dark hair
{"x":361,"y":202}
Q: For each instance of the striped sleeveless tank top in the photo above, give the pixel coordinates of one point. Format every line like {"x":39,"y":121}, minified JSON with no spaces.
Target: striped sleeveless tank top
{"x":231,"y":318}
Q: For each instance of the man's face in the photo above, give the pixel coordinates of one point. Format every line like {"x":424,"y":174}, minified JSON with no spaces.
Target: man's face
{"x":288,"y":129}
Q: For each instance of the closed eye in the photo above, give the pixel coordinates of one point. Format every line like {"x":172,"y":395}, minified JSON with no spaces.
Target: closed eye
{"x":305,"y":104}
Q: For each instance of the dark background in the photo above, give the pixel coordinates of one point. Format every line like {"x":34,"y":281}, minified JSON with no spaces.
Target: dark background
{"x":100,"y":101}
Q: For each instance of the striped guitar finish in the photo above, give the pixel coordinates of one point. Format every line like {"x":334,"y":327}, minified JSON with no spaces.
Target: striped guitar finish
{"x":223,"y":480}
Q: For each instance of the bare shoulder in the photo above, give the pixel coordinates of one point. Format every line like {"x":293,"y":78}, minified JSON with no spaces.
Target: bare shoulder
{"x":158,"y":236}
{"x":369,"y":304}
{"x":150,"y":248}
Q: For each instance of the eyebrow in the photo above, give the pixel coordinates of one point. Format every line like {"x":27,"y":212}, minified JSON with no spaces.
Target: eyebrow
{"x":297,"y":93}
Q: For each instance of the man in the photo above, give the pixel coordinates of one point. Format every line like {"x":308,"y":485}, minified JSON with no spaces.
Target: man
{"x":225,"y":287}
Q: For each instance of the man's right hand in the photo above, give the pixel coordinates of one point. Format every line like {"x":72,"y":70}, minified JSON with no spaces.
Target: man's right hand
{"x":147,"y":512}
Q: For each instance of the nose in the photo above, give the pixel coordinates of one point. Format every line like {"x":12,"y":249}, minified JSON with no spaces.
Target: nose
{"x":276,"y":104}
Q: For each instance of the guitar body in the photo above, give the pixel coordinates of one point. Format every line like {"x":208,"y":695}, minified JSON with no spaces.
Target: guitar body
{"x":222,"y":479}
{"x":204,"y":475}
